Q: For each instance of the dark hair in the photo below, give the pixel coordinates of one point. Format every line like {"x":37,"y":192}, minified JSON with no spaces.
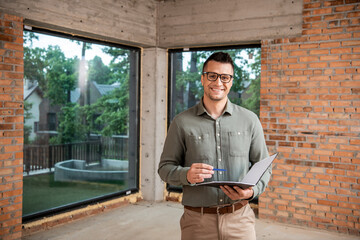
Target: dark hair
{"x":221,"y":57}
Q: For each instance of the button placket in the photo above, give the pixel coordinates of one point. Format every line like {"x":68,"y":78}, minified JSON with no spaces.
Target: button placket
{"x":219,"y":163}
{"x":218,"y":146}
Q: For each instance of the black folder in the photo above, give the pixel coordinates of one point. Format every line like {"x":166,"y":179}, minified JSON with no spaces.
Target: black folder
{"x":251,"y":178}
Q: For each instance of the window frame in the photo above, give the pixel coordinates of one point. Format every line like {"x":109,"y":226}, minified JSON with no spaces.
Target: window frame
{"x":171,"y":84}
{"x":134,"y":125}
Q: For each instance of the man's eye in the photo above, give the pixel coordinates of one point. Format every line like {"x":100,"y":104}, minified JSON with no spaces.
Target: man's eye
{"x":212,"y":75}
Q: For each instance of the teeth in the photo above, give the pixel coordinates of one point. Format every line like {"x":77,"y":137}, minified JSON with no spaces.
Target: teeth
{"x":217,"y":90}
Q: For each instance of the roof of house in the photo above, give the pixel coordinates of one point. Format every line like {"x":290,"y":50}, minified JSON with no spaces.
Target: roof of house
{"x":28,"y":90}
{"x":105,"y":89}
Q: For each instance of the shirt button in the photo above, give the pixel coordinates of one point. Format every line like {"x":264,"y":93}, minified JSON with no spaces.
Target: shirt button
{"x":218,"y":147}
{"x":199,"y":137}
{"x":239,"y":133}
{"x":221,"y":200}
{"x":219,"y":159}
{"x":218,"y":134}
{"x":220,"y":173}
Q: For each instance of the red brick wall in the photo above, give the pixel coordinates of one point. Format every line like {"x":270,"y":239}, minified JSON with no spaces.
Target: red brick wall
{"x":310,"y":113}
{"x":11,"y":125}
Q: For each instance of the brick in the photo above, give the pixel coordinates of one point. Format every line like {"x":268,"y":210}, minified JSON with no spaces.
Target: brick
{"x":14,"y":46}
{"x":329,"y":45}
{"x":317,"y":195}
{"x":6,"y":171}
{"x":351,"y":43}
{"x":300,"y":204}
{"x":320,"y":51}
{"x":340,"y":50}
{"x":340,"y":36}
{"x":350,"y":56}
{"x":327,"y":203}
{"x":6,"y":67}
{"x":318,"y":207}
{"x":309,"y":46}
{"x":340,"y":64}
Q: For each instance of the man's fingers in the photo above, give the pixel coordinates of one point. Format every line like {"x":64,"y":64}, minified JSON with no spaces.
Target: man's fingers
{"x":237,"y":193}
{"x":203,"y":171}
{"x":202,"y":166}
{"x":199,"y":171}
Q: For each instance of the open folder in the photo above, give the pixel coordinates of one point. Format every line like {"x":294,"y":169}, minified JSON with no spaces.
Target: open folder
{"x":250,"y":179}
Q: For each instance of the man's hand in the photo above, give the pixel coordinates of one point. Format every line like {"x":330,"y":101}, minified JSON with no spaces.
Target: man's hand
{"x":237,"y":193}
{"x":198,"y":172}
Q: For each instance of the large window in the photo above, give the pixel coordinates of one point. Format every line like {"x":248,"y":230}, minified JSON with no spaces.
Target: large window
{"x":185,"y":73}
{"x":80,"y":121}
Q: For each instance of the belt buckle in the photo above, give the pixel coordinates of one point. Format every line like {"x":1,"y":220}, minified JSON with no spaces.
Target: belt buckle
{"x":217,"y":210}
{"x":220,"y":207}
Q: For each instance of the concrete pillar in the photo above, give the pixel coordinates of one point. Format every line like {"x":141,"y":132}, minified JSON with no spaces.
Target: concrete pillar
{"x":153,"y":121}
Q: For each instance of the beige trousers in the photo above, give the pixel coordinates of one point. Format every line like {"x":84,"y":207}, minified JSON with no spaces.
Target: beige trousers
{"x":237,"y":225}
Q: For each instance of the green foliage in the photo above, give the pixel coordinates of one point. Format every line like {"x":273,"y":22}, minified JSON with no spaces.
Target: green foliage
{"x":60,"y":75}
{"x":98,"y":71}
{"x":253,"y":102}
{"x":114,"y":109}
{"x":34,"y":61}
{"x":119,"y":65}
{"x":71,"y":128}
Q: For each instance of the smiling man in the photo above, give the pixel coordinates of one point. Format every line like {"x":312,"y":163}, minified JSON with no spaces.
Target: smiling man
{"x":215,"y":134}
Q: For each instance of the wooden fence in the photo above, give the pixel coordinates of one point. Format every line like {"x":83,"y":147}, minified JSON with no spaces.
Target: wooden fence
{"x":42,"y":157}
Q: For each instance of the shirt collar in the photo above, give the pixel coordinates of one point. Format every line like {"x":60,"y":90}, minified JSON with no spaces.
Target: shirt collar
{"x":229,"y":108}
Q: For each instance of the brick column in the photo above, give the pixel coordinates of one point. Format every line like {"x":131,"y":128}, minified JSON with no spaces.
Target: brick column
{"x":310,"y":112}
{"x":11,"y":125}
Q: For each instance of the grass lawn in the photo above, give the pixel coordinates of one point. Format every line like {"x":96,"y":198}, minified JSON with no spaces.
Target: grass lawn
{"x":41,"y":192}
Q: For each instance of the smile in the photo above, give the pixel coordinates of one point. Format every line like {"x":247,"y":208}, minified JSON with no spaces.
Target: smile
{"x":216,"y":89}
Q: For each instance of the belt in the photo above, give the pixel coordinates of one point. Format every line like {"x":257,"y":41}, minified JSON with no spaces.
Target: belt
{"x":219,"y":209}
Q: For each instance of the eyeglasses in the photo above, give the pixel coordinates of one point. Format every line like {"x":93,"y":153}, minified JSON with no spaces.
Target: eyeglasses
{"x":225,"y":78}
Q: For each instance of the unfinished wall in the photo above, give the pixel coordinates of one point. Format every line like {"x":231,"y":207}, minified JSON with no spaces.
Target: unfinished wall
{"x":310,"y":112}
{"x":153,"y":120}
{"x":121,"y":21}
{"x":189,"y":23}
{"x":11,"y":125}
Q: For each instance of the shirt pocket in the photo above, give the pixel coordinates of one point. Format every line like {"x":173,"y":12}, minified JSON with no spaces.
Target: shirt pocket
{"x":239,"y":143}
{"x":198,"y":148}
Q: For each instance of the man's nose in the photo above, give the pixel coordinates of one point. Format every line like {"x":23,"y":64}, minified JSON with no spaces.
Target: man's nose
{"x":218,"y":80}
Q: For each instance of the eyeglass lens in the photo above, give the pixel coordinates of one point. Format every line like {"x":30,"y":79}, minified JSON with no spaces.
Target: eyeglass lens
{"x":223,"y":77}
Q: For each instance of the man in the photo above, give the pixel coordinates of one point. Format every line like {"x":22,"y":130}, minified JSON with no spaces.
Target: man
{"x":215,"y":134}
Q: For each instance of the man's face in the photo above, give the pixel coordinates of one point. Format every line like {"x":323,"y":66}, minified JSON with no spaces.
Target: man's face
{"x":216,"y":90}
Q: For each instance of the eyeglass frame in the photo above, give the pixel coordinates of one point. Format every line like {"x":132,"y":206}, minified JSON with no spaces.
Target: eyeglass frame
{"x":218,"y":75}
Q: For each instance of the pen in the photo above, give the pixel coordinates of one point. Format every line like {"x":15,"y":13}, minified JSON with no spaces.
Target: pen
{"x":219,"y":169}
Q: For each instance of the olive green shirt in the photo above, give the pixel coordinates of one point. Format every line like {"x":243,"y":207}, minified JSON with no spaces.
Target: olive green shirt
{"x":234,"y":141}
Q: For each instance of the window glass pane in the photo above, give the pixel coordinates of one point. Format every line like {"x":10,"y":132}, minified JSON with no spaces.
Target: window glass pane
{"x":80,"y":133}
{"x":186,"y":89}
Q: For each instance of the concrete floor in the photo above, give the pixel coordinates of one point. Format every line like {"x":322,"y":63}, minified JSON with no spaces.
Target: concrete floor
{"x":157,"y":221}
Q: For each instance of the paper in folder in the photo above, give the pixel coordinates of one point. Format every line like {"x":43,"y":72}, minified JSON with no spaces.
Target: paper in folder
{"x":251,"y":178}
